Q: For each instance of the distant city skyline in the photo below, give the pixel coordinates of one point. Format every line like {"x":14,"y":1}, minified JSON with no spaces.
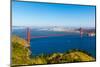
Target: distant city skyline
{"x":44,"y":14}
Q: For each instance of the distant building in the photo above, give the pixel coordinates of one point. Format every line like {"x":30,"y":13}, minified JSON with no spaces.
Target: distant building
{"x":91,"y":34}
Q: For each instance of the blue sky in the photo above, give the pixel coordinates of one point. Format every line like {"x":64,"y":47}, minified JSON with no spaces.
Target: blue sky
{"x":43,"y":14}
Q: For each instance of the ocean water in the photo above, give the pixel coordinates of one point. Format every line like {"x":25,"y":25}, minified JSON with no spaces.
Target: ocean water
{"x":51,"y":44}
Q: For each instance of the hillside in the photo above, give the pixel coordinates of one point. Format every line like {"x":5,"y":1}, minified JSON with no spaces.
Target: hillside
{"x":20,"y":40}
{"x":69,"y":57}
{"x":20,"y":51}
{"x":21,"y":55}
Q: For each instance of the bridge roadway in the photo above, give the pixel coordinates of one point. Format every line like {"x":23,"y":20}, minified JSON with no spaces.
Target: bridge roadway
{"x":45,"y":36}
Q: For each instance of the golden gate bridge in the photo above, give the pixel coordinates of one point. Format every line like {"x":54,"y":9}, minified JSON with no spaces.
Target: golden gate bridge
{"x":45,"y":36}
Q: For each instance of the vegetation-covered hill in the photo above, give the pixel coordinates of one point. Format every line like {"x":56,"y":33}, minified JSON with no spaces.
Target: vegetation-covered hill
{"x":70,"y":56}
{"x":21,"y":55}
{"x":20,"y":41}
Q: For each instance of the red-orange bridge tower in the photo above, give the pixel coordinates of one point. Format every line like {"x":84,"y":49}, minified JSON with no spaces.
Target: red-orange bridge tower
{"x":28,"y":35}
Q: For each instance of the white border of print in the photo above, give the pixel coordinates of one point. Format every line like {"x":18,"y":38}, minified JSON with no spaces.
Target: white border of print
{"x":4,"y":33}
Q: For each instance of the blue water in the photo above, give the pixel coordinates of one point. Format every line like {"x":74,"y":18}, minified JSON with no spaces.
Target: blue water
{"x":61,"y":44}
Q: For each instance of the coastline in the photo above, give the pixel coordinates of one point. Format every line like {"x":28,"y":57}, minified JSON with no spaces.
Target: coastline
{"x":21,"y":55}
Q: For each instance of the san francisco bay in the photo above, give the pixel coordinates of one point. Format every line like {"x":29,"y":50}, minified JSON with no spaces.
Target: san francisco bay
{"x":63,"y":43}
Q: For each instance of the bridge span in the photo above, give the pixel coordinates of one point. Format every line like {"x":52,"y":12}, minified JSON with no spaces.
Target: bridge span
{"x":45,"y":36}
